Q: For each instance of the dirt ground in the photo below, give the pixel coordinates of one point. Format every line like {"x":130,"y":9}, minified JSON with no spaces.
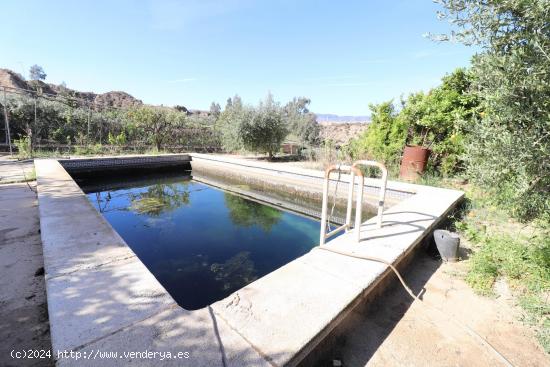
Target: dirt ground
{"x":393,"y":331}
{"x":24,"y":322}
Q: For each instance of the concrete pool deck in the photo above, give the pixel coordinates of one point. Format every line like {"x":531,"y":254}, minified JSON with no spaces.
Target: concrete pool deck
{"x":102,"y":298}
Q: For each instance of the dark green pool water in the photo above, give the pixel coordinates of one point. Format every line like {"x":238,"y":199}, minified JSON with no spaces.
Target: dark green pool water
{"x":201,"y":243}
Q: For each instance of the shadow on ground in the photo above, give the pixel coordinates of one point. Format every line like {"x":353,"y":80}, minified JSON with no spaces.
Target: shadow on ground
{"x":370,"y":323}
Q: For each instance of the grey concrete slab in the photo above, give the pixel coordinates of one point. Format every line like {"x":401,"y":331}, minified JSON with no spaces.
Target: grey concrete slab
{"x":193,"y":338}
{"x":92,"y":303}
{"x":17,"y":201}
{"x":23,"y":314}
{"x":279,"y":313}
{"x":81,"y":242}
{"x":12,"y":170}
{"x":74,"y":235}
{"x":20,"y":259}
{"x":358,"y":273}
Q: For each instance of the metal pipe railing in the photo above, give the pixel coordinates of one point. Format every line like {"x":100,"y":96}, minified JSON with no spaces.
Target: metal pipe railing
{"x":382,"y":195}
{"x":354,"y":171}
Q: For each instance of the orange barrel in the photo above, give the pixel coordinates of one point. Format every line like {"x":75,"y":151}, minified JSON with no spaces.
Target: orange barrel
{"x":413,"y":164}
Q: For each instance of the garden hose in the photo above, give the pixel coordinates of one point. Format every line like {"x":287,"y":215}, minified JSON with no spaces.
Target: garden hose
{"x":463,"y":326}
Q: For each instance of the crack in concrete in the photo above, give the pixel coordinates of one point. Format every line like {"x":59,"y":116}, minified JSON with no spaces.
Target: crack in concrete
{"x":257,"y":349}
{"x":92,"y":267}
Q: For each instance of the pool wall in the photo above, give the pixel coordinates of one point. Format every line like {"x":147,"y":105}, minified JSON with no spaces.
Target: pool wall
{"x":306,"y":183}
{"x":84,"y":166}
{"x":101,"y":297}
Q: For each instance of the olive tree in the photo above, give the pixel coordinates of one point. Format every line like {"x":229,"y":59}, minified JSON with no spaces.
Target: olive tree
{"x":157,"y":123}
{"x":301,"y":122}
{"x":264,"y":130}
{"x":36,"y":72}
{"x":509,"y":147}
{"x":229,"y":122}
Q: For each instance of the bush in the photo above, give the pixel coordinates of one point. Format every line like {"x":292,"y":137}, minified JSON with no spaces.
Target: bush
{"x":385,"y":137}
{"x":439,"y":119}
{"x":24,"y":150}
{"x":436,"y":120}
{"x":508,"y":150}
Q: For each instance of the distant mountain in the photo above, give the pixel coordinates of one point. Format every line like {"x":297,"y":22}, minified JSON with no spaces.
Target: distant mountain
{"x":327,"y":117}
{"x":11,"y":79}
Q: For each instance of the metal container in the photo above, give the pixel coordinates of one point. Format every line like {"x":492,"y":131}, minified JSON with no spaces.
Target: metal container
{"x":447,"y":244}
{"x":413,"y":164}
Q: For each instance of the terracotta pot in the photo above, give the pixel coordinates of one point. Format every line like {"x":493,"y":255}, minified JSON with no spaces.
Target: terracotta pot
{"x":413,"y":164}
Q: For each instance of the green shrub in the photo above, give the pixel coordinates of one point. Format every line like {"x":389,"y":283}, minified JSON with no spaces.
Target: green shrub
{"x":24,"y":149}
{"x":385,"y":137}
{"x":436,"y":120}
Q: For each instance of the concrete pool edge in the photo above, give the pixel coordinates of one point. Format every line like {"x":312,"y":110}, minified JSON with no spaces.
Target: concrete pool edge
{"x":406,"y":224}
{"x":101,"y":297}
{"x":281,"y":316}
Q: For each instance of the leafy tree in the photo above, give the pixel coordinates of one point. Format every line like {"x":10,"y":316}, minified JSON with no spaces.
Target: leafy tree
{"x":215,"y":110}
{"x":385,"y":136}
{"x":23,"y":122}
{"x":158,"y":123}
{"x":229,"y":122}
{"x":301,"y":122}
{"x":266,"y":129}
{"x":37,"y":73}
{"x":181,"y":108}
{"x":509,"y":148}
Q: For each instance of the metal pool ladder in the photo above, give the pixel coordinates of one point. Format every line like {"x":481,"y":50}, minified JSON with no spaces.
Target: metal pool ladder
{"x":354,"y":171}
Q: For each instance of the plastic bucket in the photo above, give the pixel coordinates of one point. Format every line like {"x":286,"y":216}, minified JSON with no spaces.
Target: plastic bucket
{"x":447,"y":244}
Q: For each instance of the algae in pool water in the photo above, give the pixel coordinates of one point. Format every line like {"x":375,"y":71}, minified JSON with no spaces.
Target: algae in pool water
{"x":201,"y":243}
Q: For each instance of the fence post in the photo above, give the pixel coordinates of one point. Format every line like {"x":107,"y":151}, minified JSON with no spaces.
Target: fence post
{"x":6,"y":120}
{"x":88,"y":129}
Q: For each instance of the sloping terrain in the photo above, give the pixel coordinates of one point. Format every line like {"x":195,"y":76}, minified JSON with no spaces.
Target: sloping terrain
{"x":11,"y":79}
{"x":341,"y":133}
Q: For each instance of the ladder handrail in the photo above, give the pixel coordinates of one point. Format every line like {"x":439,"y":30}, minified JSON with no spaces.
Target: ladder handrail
{"x":382,"y":195}
{"x":354,"y":171}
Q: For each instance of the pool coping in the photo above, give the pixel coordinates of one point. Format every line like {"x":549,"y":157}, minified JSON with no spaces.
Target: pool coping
{"x":100,"y":295}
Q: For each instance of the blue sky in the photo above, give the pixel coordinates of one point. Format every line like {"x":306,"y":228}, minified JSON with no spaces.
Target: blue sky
{"x":341,"y":54}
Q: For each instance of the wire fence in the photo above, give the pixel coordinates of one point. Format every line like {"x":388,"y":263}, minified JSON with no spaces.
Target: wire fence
{"x":35,"y":123}
{"x":68,"y":123}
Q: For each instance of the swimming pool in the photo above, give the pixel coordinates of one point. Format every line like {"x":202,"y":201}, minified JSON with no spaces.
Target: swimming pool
{"x":200,"y":242}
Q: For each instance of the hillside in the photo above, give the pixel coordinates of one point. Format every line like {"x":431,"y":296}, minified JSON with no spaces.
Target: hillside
{"x":341,"y":132}
{"x":332,"y":118}
{"x":11,"y":79}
